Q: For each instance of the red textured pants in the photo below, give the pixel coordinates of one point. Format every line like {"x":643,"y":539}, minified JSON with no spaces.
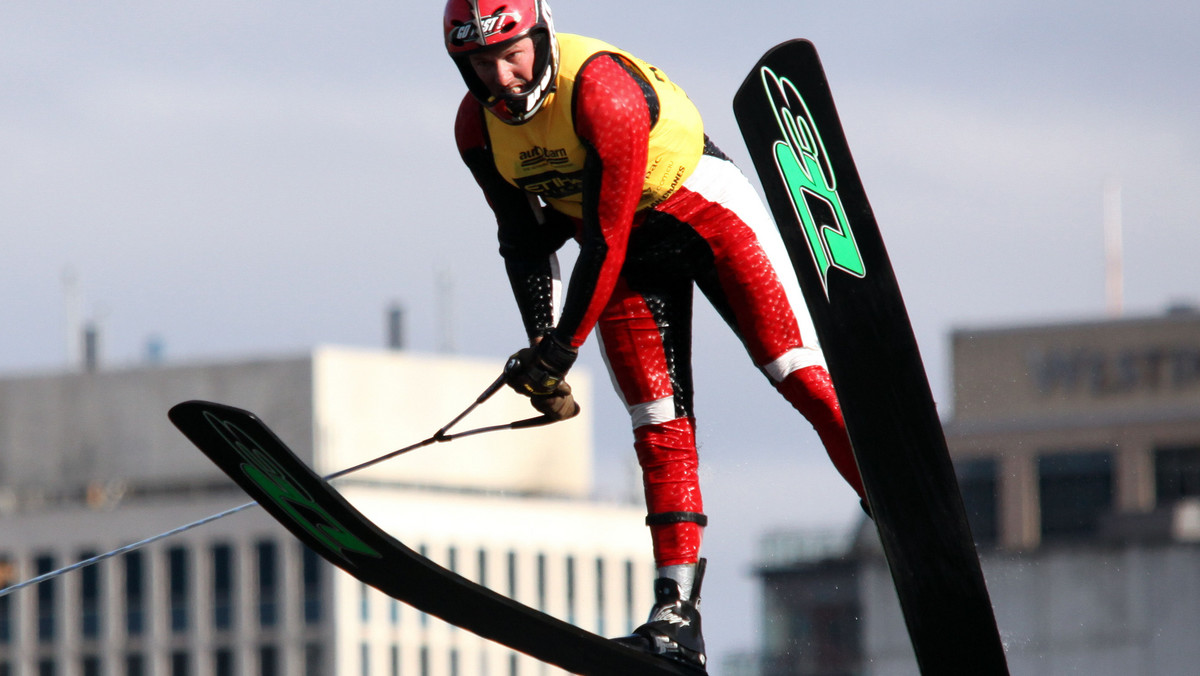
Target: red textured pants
{"x":705,"y":236}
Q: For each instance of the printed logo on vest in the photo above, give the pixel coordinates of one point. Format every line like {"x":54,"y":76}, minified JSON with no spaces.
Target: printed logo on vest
{"x":538,"y":156}
{"x":553,"y":184}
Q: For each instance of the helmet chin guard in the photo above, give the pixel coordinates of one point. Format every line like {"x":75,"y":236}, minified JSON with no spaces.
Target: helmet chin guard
{"x":470,"y":26}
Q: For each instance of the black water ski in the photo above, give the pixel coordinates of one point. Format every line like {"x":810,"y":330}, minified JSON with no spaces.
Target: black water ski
{"x":262,"y":465}
{"x":787,"y":116}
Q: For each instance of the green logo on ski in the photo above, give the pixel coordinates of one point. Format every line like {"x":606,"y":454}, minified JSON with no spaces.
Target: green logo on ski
{"x":286,"y":492}
{"x":807,"y":171}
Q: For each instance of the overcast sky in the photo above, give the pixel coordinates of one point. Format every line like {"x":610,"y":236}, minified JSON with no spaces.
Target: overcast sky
{"x":232,"y":179}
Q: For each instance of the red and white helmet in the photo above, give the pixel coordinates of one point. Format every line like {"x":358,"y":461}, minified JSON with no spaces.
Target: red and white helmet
{"x":472,"y":25}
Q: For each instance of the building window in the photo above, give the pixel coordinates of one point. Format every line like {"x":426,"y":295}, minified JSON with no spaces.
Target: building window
{"x":267,"y":554}
{"x":90,"y":666}
{"x":135,"y":596}
{"x":364,"y":659}
{"x":135,"y":665}
{"x":978,"y":485}
{"x":223,"y":662}
{"x":600,"y":606}
{"x":395,"y":660}
{"x":180,"y":664}
{"x":178,"y":584}
{"x":45,"y":600}
{"x":89,"y":598}
{"x":512,"y":575}
{"x":837,"y":631}
{"x":423,"y":618}
{"x":314,"y":659}
{"x":1176,"y":473}
{"x":312,"y":573}
{"x":452,"y":566}
{"x":364,"y":602}
{"x":268,"y":661}
{"x":222,"y":587}
{"x":481,"y":563}
{"x":8,"y":576}
{"x":811,"y":618}
{"x":630,"y":599}
{"x":1076,"y":489}
{"x":541,"y":582}
{"x":571,"y":589}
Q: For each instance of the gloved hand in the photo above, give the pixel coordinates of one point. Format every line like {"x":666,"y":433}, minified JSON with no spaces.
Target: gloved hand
{"x":558,"y":405}
{"x":539,"y":369}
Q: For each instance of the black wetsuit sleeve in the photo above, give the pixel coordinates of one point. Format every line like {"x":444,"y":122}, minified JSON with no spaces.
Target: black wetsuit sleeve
{"x":528,"y":235}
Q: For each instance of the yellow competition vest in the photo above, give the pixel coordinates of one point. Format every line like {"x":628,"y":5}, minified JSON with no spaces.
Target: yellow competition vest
{"x":544,"y":156}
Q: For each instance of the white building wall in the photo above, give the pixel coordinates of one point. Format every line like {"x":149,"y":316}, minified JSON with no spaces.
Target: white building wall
{"x":65,"y":431}
{"x":335,"y":407}
{"x":367,"y":403}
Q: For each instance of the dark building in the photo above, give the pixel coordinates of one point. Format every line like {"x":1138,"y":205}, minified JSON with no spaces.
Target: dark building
{"x":811,"y":606}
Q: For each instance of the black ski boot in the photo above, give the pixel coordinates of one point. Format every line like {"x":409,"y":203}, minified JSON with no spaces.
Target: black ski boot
{"x":673,"y":630}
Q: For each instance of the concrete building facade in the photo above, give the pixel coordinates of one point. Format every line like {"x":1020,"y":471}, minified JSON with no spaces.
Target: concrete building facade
{"x":89,"y":463}
{"x":1067,"y":426}
{"x":1077,"y":447}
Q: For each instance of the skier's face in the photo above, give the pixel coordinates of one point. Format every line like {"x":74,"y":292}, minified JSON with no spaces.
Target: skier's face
{"x":507,"y":69}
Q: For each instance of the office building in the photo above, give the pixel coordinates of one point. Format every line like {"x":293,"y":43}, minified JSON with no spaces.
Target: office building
{"x":89,"y":463}
{"x":1077,"y":447}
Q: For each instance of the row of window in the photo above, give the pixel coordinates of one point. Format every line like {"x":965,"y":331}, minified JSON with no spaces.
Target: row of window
{"x":1075,"y":489}
{"x":511,"y":570}
{"x":455,"y":664}
{"x":266,"y":662}
{"x":112,"y":601}
{"x":99,"y":617}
